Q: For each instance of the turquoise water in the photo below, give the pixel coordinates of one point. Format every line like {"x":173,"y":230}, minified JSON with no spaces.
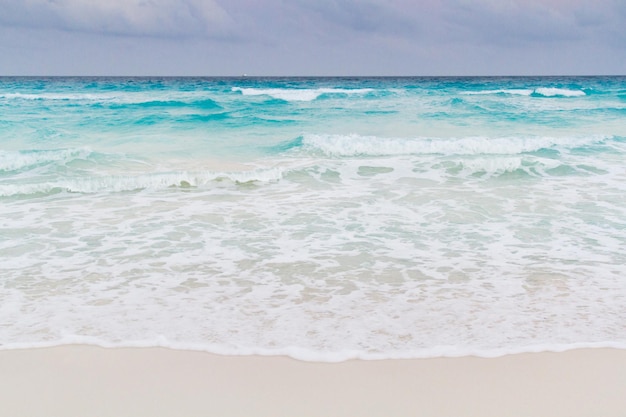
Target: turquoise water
{"x":323,"y":218}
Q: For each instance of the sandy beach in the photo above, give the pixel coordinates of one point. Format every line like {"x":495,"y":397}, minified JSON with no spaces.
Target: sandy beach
{"x":92,"y":381}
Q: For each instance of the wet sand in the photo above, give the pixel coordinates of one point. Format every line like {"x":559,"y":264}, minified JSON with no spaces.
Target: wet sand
{"x":149,"y":382}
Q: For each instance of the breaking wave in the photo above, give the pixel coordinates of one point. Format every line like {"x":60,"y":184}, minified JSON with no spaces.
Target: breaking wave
{"x":301,"y":94}
{"x":356,"y":145}
{"x":154,"y":181}
{"x":18,"y":160}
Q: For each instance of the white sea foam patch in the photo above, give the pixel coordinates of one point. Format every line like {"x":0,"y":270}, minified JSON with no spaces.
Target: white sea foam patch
{"x":16,"y":160}
{"x":379,"y":266}
{"x":300,"y":94}
{"x":563,"y":92}
{"x":120,"y":183}
{"x":494,"y":166}
{"x":540,"y":91}
{"x":357,"y":145}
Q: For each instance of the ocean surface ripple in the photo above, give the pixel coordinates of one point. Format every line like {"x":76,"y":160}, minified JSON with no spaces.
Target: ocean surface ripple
{"x":321,"y":218}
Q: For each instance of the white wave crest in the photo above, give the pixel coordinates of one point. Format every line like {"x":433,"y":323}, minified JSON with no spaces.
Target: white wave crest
{"x":356,"y":145}
{"x":16,"y":160}
{"x":301,"y":94}
{"x":555,"y":92}
{"x":155,"y":181}
{"x":493,"y":166}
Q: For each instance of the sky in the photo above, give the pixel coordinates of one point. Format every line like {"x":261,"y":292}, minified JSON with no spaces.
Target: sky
{"x":312,"y":37}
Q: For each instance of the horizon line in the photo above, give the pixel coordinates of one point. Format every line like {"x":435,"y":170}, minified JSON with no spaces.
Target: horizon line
{"x":307,"y":76}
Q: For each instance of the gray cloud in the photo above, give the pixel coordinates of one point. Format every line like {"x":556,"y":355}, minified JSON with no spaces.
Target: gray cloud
{"x":120,"y":17}
{"x":509,"y":23}
{"x":528,"y":22}
{"x":360,"y":15}
{"x":313,"y":37}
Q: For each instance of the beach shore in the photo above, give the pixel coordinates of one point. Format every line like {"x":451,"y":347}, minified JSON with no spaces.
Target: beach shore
{"x":91,"y":381}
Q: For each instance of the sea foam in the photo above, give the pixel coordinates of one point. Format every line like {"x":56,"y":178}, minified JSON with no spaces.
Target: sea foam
{"x":355,"y":145}
{"x":17,"y":160}
{"x":154,"y":181}
{"x":303,"y":94}
{"x":322,"y":218}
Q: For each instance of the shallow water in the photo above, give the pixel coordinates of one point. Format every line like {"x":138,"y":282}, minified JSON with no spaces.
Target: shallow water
{"x":321,"y":218}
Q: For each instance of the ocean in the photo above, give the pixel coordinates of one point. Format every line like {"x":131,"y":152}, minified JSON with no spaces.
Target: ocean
{"x":320,"y":218}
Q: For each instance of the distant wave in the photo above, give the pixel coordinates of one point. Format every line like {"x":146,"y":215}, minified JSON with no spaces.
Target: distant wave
{"x":58,"y":96}
{"x":554,"y":92}
{"x":300,"y":94}
{"x":537,"y":92}
{"x":512,"y":91}
{"x":357,"y":145}
{"x":121,"y":99}
{"x":201,"y":103}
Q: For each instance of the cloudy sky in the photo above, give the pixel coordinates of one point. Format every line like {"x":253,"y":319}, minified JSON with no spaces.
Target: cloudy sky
{"x":312,"y":37}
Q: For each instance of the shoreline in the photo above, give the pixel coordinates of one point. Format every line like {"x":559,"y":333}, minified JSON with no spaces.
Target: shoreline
{"x":81,"y":380}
